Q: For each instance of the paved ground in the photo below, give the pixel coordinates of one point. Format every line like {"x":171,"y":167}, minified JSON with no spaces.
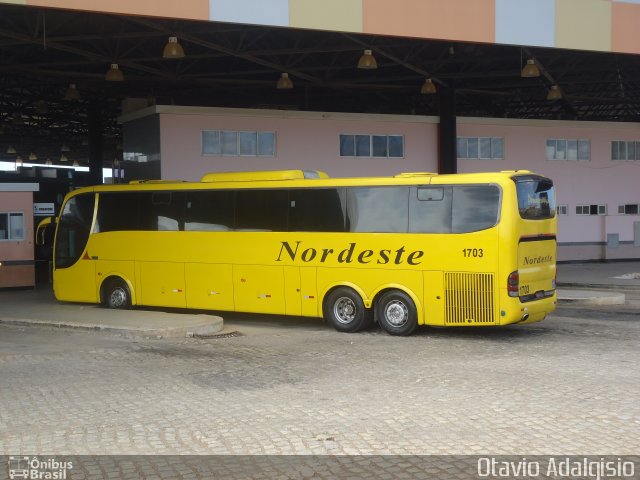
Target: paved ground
{"x":568,"y":385}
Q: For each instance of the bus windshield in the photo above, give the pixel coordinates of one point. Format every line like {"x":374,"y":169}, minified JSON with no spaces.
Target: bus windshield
{"x":536,"y":198}
{"x":73,"y":230}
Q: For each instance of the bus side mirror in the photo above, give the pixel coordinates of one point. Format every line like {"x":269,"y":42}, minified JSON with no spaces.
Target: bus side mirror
{"x":42,"y":229}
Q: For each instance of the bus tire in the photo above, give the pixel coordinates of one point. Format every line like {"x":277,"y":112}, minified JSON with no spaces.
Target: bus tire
{"x":116,"y":294}
{"x":344,"y":309}
{"x":396,"y":313}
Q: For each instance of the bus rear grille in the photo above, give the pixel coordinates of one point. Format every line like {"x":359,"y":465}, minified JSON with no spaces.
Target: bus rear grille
{"x":469,"y":298}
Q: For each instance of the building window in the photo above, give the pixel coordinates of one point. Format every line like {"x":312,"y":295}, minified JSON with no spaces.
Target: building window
{"x":11,"y":226}
{"x":591,"y":209}
{"x":622,"y":150}
{"x":379,"y":146}
{"x":483,"y":148}
{"x":562,"y":210}
{"x":628,"y":209}
{"x":568,"y":149}
{"x":238,"y":144}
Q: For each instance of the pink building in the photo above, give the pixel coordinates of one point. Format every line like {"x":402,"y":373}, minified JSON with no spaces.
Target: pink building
{"x":592,"y":163}
{"x":17,"y":267}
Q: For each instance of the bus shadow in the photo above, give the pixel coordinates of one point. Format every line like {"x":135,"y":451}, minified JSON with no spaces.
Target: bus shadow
{"x":488,"y":333}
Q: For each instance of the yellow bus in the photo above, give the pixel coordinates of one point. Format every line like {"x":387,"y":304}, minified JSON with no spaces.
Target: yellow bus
{"x":413,"y":249}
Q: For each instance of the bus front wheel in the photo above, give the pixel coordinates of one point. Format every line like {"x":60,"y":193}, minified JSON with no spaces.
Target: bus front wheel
{"x":116,"y":294}
{"x":396,"y":313}
{"x":345,"y":310}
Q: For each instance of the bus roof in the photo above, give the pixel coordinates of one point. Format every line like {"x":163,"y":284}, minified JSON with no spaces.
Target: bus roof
{"x":302,"y":178}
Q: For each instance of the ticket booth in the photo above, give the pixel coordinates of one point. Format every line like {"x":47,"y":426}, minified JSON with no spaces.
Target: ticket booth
{"x":17,"y":262}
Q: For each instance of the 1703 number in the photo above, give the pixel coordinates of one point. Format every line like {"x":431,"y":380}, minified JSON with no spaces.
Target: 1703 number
{"x":472,"y":252}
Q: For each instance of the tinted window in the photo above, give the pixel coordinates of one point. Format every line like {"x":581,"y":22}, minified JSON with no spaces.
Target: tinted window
{"x":475,"y":207}
{"x":209,"y":211}
{"x":316,"y":210}
{"x":73,"y":229}
{"x":117,"y":211}
{"x":430,"y":209}
{"x":261,"y":210}
{"x":536,"y":198}
{"x":378,"y":209}
{"x":396,"y":146}
{"x":162,"y":211}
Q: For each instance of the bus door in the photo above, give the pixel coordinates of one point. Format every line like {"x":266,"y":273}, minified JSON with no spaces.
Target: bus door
{"x":74,"y":277}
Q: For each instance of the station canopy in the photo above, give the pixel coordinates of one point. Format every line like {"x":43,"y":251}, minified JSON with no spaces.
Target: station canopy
{"x":46,"y":54}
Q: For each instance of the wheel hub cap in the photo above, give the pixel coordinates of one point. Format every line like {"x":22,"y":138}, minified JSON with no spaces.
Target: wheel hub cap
{"x":118,"y":297}
{"x":345,"y":310}
{"x":397,"y":313}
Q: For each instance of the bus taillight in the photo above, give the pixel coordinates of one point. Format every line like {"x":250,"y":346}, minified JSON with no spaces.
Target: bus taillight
{"x":513,"y":282}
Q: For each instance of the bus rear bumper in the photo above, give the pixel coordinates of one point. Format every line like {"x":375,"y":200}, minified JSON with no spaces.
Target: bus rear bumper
{"x":516,"y":312}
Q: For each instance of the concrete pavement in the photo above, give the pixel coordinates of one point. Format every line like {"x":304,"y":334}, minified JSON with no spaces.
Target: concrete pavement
{"x":39,"y":307}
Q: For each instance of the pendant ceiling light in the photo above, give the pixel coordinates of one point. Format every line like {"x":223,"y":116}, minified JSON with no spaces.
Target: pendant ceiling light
{"x":284,"y":82}
{"x":554,"y":93}
{"x":530,"y":70}
{"x":428,"y":87}
{"x":173,"y":49}
{"x":367,"y":61}
{"x":114,"y":74}
{"x":72,"y":93}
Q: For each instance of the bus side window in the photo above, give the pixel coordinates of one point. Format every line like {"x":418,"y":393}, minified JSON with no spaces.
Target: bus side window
{"x":210,"y":211}
{"x":316,"y":210}
{"x":377,"y":209}
{"x":475,"y":207}
{"x":430,"y":210}
{"x":162,"y":211}
{"x":262,"y":210}
{"x":117,"y":212}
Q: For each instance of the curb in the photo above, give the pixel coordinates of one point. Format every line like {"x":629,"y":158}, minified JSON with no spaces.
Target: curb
{"x":596,"y":286}
{"x":212,"y":325}
{"x":590,"y":297}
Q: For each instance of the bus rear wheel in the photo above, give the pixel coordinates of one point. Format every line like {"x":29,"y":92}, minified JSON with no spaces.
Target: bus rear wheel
{"x":344,"y":309}
{"x":116,"y":294}
{"x":396,"y":313}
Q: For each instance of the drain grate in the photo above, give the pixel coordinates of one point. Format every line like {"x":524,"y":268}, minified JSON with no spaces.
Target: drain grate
{"x":219,"y":335}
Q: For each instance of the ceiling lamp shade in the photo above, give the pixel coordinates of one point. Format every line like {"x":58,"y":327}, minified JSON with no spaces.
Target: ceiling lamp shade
{"x":75,"y":163}
{"x":428,"y":87}
{"x":48,"y":162}
{"x":530,"y":70}
{"x":284,"y":82}
{"x":41,"y":107}
{"x":554,"y":93}
{"x":65,"y":148}
{"x":32,"y":157}
{"x":114,"y":74}
{"x":72,"y":93}
{"x":11,"y":150}
{"x":18,"y":161}
{"x":63,"y":158}
{"x":173,"y":49}
{"x":367,"y":61}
